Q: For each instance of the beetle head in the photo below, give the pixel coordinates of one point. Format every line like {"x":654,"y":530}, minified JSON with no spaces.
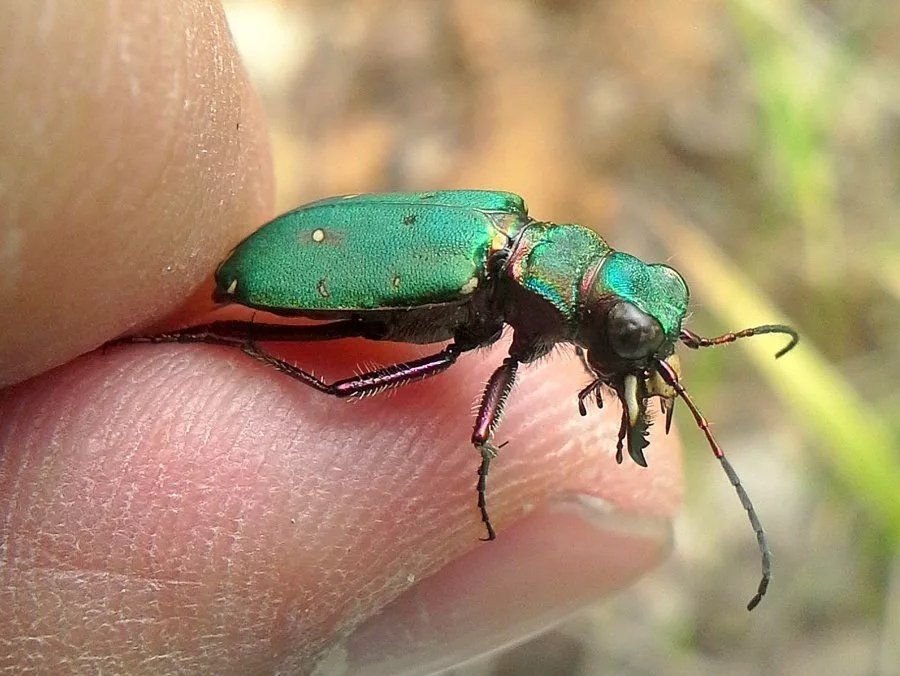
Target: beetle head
{"x":631,"y":319}
{"x":631,"y":314}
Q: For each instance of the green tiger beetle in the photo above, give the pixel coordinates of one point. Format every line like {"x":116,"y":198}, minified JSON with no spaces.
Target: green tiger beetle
{"x":458,"y":266}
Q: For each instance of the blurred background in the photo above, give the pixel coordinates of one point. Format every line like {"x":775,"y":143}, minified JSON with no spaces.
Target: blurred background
{"x":754,"y":145}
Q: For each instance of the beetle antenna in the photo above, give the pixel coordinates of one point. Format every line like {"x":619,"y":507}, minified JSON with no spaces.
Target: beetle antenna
{"x":693,"y":341}
{"x":671,"y":378}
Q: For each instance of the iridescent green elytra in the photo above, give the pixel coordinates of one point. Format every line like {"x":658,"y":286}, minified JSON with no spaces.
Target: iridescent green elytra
{"x":367,"y":252}
{"x":459,"y":266}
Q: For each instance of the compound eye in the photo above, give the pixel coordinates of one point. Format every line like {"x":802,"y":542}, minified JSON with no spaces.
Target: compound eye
{"x":633,"y":334}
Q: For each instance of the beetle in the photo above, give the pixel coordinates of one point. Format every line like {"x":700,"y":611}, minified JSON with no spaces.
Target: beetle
{"x":460,"y":266}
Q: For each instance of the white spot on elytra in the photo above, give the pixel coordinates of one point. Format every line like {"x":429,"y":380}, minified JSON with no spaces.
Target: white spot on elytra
{"x":318,"y":235}
{"x":231,"y":287}
{"x":469,"y":286}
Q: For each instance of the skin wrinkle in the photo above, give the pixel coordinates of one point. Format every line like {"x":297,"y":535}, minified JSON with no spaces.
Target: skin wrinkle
{"x":11,"y":475}
{"x":36,"y":463}
{"x":102,"y":435}
{"x":125,"y":486}
{"x":194,"y":407}
{"x":191,"y":400}
{"x":81,"y":574}
{"x":209,"y":410}
{"x":399,"y":454}
{"x":109,"y":507}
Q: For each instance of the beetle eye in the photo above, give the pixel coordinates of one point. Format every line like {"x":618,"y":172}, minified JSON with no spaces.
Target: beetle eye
{"x":633,"y":334}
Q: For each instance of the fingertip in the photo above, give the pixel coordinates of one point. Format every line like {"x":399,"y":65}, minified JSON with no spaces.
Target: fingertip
{"x":136,"y":156}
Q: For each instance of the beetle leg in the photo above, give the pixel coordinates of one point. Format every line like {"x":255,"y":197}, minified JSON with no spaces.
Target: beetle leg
{"x":493,"y":401}
{"x":593,"y":388}
{"x":582,"y":357}
{"x":371,"y":382}
{"x":236,"y":333}
{"x":620,"y":440}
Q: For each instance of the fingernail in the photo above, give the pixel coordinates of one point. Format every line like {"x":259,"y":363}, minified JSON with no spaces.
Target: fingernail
{"x":554,"y":562}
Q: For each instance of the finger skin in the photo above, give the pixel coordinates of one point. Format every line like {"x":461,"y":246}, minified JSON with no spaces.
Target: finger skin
{"x":182,"y":508}
{"x":187,"y":505}
{"x":556,"y":561}
{"x":133,"y":156}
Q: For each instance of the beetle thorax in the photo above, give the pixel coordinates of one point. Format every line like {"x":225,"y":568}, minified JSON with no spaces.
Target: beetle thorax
{"x":541,"y":280}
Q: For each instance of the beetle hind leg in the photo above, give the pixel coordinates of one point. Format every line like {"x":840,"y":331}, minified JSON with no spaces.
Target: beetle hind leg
{"x":236,"y":333}
{"x":370,"y":382}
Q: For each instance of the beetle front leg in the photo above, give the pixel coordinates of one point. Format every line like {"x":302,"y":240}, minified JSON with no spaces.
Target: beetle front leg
{"x":493,"y":402}
{"x":592,"y":388}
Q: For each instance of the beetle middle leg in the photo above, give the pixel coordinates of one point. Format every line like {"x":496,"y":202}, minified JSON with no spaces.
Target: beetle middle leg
{"x":493,"y":402}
